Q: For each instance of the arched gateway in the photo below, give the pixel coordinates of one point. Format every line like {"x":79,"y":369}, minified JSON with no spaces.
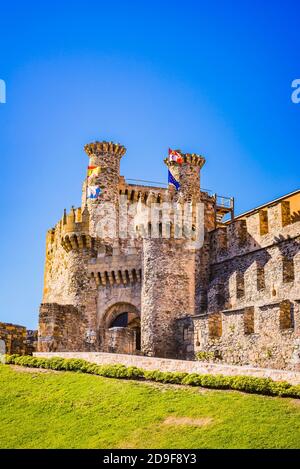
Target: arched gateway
{"x":121,"y":328}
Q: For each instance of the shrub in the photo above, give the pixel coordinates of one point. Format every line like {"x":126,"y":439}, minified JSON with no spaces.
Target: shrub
{"x":165,"y":376}
{"x":134,"y":372}
{"x":251,"y":384}
{"x":192,"y":379}
{"x":208,"y":381}
{"x":247,"y":384}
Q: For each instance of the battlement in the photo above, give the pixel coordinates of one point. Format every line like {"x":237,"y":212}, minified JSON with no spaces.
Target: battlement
{"x":139,"y":190}
{"x":188,"y":158}
{"x":169,"y":221}
{"x":75,"y":230}
{"x":75,"y":221}
{"x":102,"y":148}
{"x":259,"y":228}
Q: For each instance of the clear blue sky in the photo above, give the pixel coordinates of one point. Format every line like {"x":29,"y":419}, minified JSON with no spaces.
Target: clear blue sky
{"x":208,"y":77}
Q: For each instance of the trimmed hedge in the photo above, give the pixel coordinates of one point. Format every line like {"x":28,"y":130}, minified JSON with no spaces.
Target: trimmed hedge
{"x":247,"y":384}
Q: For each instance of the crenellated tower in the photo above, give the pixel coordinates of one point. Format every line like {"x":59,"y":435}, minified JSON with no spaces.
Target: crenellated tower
{"x":188,"y":174}
{"x":101,"y":187}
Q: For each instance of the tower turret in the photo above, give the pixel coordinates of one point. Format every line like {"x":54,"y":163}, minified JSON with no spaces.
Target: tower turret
{"x":187,"y":173}
{"x":101,"y":188}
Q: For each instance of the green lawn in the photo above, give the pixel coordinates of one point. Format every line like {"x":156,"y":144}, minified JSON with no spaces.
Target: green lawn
{"x":73,"y":410}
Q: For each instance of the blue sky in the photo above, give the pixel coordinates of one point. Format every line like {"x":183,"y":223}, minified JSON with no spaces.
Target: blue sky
{"x":206,"y":77}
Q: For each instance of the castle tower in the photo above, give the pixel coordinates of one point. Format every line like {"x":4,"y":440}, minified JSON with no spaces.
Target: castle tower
{"x":101,"y":188}
{"x":188,"y":175}
{"x":68,"y":311}
{"x":170,"y":269}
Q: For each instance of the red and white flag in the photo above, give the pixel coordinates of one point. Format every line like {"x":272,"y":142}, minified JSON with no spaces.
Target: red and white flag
{"x":175,"y":156}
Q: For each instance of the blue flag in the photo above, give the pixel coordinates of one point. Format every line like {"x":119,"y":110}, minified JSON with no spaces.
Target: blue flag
{"x":172,"y":180}
{"x":93,"y":192}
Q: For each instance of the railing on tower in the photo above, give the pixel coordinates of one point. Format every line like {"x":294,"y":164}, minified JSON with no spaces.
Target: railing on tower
{"x":137,"y":182}
{"x":224,"y":206}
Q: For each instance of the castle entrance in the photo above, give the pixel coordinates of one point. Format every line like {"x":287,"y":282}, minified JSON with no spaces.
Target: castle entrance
{"x":123,"y":325}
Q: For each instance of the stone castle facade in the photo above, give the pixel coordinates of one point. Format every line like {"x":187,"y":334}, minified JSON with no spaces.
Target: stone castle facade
{"x":226,"y":292}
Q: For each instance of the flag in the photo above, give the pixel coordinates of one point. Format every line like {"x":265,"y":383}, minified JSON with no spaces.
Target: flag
{"x":175,"y":156}
{"x":93,"y":192}
{"x":94,"y":170}
{"x":173,"y":181}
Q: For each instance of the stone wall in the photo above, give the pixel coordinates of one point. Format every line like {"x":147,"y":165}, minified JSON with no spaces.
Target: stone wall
{"x":253,"y":314}
{"x":254,"y":336}
{"x":119,"y":340}
{"x":117,"y":280}
{"x":63,"y":328}
{"x":31,"y":341}
{"x":202,"y":256}
{"x":256,"y":277}
{"x":18,"y":339}
{"x":168,"y":293}
{"x":186,"y":366}
{"x":253,"y":232}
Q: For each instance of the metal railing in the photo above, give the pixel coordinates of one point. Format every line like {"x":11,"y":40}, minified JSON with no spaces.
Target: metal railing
{"x":226,"y":202}
{"x":221,"y":201}
{"x":153,"y":183}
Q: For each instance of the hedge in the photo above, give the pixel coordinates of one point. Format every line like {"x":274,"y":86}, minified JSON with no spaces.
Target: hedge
{"x":247,"y":384}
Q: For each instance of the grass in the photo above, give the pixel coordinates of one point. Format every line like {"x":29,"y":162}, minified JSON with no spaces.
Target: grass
{"x":76,"y":410}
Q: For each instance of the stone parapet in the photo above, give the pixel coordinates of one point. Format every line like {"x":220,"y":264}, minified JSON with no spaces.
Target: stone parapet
{"x":243,"y":236}
{"x":185,"y":366}
{"x":104,"y":148}
{"x":75,"y":230}
{"x":266,"y":335}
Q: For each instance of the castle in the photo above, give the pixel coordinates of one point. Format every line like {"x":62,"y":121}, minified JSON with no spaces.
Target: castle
{"x":228,"y":291}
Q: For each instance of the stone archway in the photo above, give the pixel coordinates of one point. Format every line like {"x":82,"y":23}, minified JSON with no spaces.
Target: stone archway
{"x":122,"y":328}
{"x":116,"y":310}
